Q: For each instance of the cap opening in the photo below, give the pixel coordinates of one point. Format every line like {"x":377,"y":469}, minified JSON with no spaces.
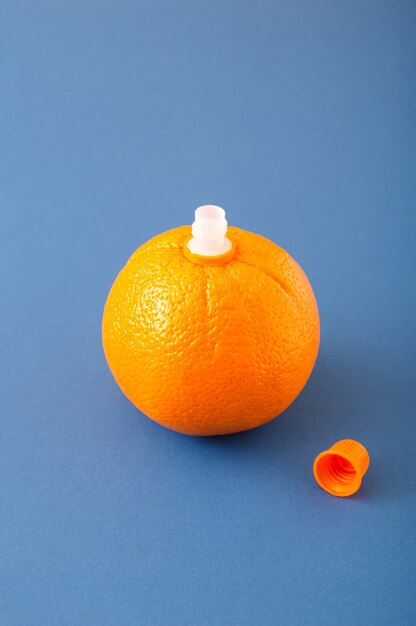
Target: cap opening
{"x":337,"y":475}
{"x":209,"y":234}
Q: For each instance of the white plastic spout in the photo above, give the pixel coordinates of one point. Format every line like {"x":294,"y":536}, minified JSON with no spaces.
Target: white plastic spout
{"x":208,"y":232}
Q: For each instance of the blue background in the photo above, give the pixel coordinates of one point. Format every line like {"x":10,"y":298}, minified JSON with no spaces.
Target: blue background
{"x":117,"y":121}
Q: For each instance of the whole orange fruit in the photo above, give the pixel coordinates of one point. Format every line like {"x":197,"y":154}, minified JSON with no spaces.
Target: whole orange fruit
{"x":211,"y":349}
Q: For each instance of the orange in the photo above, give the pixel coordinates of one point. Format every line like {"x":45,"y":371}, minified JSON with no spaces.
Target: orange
{"x":211,"y":349}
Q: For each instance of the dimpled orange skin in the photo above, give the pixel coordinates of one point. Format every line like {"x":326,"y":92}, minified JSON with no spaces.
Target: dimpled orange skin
{"x":211,"y":350}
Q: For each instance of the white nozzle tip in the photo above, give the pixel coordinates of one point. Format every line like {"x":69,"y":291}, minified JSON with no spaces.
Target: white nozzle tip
{"x":208,"y":231}
{"x":210,"y":212}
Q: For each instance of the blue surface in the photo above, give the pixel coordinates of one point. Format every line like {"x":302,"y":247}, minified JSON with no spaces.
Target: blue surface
{"x":117,"y":120}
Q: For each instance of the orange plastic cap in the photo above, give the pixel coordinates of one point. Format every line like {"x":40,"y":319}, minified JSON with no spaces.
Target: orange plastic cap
{"x":340,"y":469}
